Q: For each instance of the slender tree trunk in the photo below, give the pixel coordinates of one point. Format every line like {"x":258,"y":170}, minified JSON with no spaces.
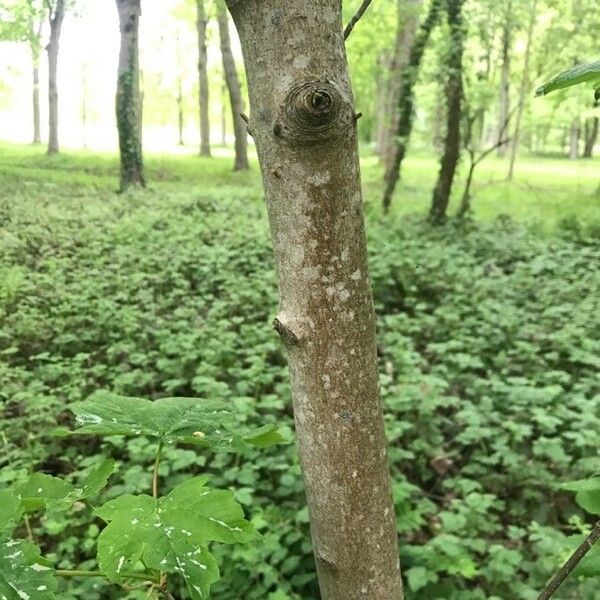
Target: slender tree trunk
{"x":465,"y":202}
{"x":201,"y":23}
{"x":408,"y":22}
{"x":128,"y":96}
{"x":454,"y":91}
{"x":240,"y":129}
{"x":382,"y":114}
{"x":574,"y":135}
{"x":179,"y":92}
{"x":525,"y":82}
{"x":56,"y":19}
{"x":84,"y":91}
{"x":224,"y":115}
{"x":406,"y":102}
{"x":304,"y":126}
{"x":591,"y":134}
{"x":504,"y":111}
{"x":37,"y":136}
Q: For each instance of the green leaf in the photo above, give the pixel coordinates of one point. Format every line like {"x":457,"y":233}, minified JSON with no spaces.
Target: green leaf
{"x":97,"y":478}
{"x":206,"y":423}
{"x":589,"y":501}
{"x":590,"y":565}
{"x":582,"y":485}
{"x":10,"y":510}
{"x":44,"y":491}
{"x":24,"y":575}
{"x":574,"y":76}
{"x":171,"y":534}
{"x":264,"y":437}
{"x":419,"y":577}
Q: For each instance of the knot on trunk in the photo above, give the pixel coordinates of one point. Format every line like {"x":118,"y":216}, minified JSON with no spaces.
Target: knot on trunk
{"x":314,"y":111}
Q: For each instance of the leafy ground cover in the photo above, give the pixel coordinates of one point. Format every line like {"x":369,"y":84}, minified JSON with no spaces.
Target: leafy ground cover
{"x":488,"y":341}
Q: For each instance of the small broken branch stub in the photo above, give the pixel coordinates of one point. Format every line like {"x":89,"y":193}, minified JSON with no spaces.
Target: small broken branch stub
{"x":286,"y":334}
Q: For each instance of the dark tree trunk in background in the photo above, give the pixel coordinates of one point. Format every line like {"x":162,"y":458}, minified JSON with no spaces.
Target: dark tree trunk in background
{"x":504,"y":106}
{"x":591,"y":134}
{"x":382,"y":115}
{"x":408,"y":22}
{"x":574,"y":135}
{"x":454,"y":91}
{"x":406,"y":101}
{"x":201,"y":23}
{"x":525,"y":83}
{"x":128,"y":107}
{"x":304,"y":125}
{"x":35,"y":47}
{"x":56,"y":16}
{"x":240,"y":129}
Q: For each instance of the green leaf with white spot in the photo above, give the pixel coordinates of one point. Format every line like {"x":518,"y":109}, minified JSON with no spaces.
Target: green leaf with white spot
{"x":588,"y":73}
{"x":10,"y":510}
{"x":44,"y":491}
{"x":171,"y":534}
{"x":202,"y":422}
{"x":24,"y":574}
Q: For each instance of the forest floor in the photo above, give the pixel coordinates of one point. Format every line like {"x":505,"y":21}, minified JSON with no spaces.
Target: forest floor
{"x":488,"y":337}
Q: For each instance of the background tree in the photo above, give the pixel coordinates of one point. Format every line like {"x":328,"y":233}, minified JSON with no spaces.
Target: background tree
{"x":128,"y":96}
{"x":56,"y":15}
{"x":406,"y":102}
{"x":454,"y":92}
{"x":304,"y":124}
{"x":240,"y":130}
{"x":203,"y":94}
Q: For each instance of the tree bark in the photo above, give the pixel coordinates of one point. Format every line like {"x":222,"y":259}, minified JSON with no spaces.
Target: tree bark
{"x":525,"y":82}
{"x":240,"y":129}
{"x":180,"y":122}
{"x":454,"y":92}
{"x":56,"y":16}
{"x":408,"y":21}
{"x":574,"y":135}
{"x":203,"y":95}
{"x":591,"y":134}
{"x":128,"y":96}
{"x":504,"y":107}
{"x":223,"y":115}
{"x":37,"y":136}
{"x":304,"y":126}
{"x":382,"y":114}
{"x":406,"y":102}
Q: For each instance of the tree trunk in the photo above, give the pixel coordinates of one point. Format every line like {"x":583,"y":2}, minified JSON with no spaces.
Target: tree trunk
{"x":408,"y":21}
{"x":224,"y":115}
{"x":504,"y":110}
{"x":201,"y":23}
{"x":84,"y":92}
{"x":406,"y":102}
{"x":382,"y":114}
{"x":56,"y":19}
{"x":591,"y":134}
{"x":37,"y":136}
{"x":240,"y":129}
{"x":574,"y":135}
{"x":179,"y":92}
{"x":523,"y":90}
{"x":128,"y":96}
{"x":454,"y":91}
{"x":304,"y":126}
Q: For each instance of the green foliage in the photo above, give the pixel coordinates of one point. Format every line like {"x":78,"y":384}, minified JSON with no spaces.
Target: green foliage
{"x":488,"y":343}
{"x":587,"y":73}
{"x":163,"y":535}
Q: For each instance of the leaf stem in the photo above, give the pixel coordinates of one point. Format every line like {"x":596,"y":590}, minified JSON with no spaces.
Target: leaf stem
{"x":155,"y":472}
{"x":28,"y":528}
{"x":80,"y":573}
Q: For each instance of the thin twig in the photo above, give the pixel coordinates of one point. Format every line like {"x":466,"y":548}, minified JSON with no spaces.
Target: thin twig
{"x":81,"y":573}
{"x":356,"y":18}
{"x":28,"y":528}
{"x":570,"y":565}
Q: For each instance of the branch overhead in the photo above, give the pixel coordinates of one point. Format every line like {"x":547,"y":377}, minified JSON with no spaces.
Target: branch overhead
{"x":355,"y":19}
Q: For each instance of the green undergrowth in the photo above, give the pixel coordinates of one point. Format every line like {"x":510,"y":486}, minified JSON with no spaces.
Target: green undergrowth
{"x":488,"y":339}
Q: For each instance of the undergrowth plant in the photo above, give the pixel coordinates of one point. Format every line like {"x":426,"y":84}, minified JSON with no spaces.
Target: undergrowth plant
{"x":146,"y":538}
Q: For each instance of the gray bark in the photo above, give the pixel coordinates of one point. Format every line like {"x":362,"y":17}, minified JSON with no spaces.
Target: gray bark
{"x":56,"y":16}
{"x":240,"y":129}
{"x":408,"y":21}
{"x":35,"y":47}
{"x":574,"y":135}
{"x":525,"y":82}
{"x":203,"y":95}
{"x":304,"y":125}
{"x":128,"y":108}
{"x":504,"y":108}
